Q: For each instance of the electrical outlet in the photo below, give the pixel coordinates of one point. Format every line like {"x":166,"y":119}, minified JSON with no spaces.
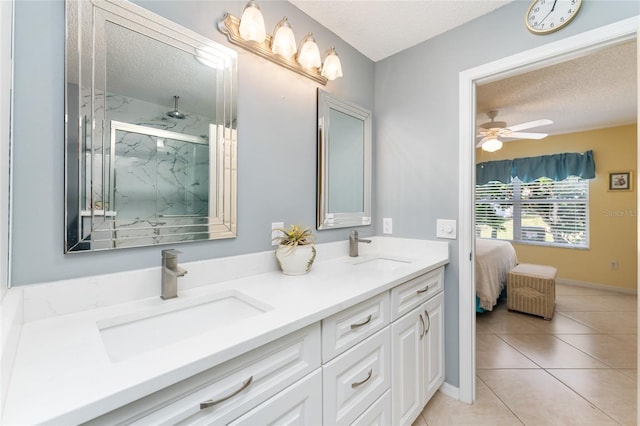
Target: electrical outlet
{"x":387,"y":225}
{"x":613,"y":265}
{"x":274,"y":231}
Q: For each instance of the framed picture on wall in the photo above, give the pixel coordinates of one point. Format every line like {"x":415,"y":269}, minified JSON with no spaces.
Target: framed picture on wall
{"x":620,"y":181}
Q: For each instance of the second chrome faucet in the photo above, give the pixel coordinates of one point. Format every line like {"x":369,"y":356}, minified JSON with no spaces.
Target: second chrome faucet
{"x":353,"y":243}
{"x":170,"y":274}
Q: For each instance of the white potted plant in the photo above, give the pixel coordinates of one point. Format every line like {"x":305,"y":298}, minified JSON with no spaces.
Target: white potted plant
{"x":296,"y":249}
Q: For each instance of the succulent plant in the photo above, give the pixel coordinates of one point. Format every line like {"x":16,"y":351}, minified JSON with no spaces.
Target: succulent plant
{"x":295,"y":235}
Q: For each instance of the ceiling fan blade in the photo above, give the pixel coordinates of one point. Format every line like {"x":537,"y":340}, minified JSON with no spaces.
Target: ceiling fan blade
{"x":524,"y":135}
{"x":530,"y":124}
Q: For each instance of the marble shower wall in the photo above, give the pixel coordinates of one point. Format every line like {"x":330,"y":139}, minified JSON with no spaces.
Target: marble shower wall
{"x":157,"y":181}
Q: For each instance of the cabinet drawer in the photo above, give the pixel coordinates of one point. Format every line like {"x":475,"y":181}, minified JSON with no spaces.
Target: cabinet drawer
{"x":230,"y":389}
{"x":299,"y":404}
{"x":346,"y":328}
{"x":415,"y":292}
{"x":357,"y":378}
{"x":379,"y":414}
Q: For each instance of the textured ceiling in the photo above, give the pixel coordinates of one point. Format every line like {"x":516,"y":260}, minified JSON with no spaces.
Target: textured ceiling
{"x":379,"y":29}
{"x":594,"y":91}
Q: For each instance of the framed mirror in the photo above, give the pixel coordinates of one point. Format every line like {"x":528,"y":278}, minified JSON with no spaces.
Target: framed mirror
{"x":150,"y":130}
{"x":344,"y":163}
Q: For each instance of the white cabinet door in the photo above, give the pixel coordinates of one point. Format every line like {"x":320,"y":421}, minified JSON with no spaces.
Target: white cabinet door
{"x":433,"y":347}
{"x":406,"y":367}
{"x":299,"y":404}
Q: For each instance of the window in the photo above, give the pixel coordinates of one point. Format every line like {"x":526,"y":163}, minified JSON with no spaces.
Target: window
{"x":543,"y":212}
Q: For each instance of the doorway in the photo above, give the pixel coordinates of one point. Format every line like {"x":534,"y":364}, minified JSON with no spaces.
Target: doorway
{"x":553,"y":53}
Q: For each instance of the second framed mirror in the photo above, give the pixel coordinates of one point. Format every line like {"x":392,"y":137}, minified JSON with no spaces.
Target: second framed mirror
{"x":344,"y":163}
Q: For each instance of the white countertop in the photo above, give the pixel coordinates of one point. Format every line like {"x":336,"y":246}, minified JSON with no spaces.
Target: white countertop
{"x":63,"y":374}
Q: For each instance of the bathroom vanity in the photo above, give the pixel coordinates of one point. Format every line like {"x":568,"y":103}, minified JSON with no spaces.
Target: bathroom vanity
{"x":356,"y":341}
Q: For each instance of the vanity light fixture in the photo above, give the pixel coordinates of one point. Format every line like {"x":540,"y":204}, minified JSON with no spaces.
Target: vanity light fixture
{"x":491,"y":145}
{"x":281,"y":47}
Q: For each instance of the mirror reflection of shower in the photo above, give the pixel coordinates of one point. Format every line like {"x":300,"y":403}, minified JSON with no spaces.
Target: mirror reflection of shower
{"x":176,"y":113}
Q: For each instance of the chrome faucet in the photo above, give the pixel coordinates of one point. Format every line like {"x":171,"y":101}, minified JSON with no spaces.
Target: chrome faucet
{"x":170,"y":274}
{"x":353,"y":243}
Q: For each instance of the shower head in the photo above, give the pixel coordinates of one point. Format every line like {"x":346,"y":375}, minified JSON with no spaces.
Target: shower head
{"x":175,"y":113}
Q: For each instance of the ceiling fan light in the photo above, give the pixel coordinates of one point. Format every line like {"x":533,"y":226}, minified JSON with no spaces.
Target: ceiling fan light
{"x":284,"y":42}
{"x":252,"y":23}
{"x":491,"y":145}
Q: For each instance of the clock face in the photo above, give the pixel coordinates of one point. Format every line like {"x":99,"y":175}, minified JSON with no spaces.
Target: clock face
{"x":547,"y":16}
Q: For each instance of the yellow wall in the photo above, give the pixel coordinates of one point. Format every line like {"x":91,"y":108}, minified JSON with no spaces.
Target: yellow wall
{"x":612,"y":215}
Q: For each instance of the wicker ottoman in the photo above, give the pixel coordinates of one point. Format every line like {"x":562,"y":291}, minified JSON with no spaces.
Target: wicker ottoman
{"x":532,"y":289}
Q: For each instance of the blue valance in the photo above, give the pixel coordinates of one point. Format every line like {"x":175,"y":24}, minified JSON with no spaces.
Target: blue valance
{"x":556,"y":166}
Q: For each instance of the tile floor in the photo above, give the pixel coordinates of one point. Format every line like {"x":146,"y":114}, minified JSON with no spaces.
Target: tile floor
{"x":577,"y":369}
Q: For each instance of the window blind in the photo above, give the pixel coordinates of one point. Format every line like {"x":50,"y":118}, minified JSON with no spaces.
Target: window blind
{"x":544,"y":211}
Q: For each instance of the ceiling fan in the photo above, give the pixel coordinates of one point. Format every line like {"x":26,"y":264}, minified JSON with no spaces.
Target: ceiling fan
{"x":492,"y":130}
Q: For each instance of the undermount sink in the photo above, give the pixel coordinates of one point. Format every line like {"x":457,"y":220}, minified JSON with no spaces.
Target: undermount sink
{"x":380,"y":262}
{"x":131,"y":334}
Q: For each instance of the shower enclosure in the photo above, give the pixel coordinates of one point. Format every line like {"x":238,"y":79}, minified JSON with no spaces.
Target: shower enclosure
{"x":158,"y":184}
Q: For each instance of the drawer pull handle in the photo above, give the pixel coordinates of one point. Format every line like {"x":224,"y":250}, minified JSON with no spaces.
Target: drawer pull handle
{"x":360,"y":324}
{"x":423,"y":328}
{"x":428,"y":319}
{"x":356,"y":384}
{"x":422,"y":290}
{"x":211,"y":403}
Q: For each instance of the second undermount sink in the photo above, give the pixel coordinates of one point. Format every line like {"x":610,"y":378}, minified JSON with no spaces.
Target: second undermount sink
{"x":131,"y":334}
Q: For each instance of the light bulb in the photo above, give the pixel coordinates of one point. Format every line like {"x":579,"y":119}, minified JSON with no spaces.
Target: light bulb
{"x":309,"y":54}
{"x":284,"y":42}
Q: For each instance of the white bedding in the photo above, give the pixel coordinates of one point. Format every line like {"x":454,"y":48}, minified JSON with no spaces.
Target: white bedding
{"x":494,"y":259}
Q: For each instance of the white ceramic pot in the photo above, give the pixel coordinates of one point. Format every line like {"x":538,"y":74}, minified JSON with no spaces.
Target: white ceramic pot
{"x":296,"y":261}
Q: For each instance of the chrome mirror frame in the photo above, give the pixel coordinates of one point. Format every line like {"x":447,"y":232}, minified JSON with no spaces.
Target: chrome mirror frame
{"x":327,"y":216}
{"x":87,"y":215}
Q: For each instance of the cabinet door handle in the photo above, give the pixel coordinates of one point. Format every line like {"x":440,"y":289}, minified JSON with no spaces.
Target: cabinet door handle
{"x":356,"y":384}
{"x":422,"y":332}
{"x":211,"y":402}
{"x":360,"y":324}
{"x":422,"y":290}
{"x":429,"y":323}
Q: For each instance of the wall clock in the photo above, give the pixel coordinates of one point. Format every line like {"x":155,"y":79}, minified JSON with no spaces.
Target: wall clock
{"x":547,"y":16}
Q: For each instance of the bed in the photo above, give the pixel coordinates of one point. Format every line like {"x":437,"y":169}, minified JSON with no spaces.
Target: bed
{"x":494,"y":259}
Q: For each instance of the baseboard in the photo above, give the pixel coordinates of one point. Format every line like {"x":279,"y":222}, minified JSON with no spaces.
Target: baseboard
{"x":449,"y":390}
{"x":577,"y":283}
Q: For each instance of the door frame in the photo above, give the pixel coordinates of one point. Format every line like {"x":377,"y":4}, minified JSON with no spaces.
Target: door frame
{"x":539,"y":57}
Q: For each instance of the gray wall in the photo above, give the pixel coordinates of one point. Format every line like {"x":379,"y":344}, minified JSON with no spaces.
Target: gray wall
{"x":276,"y":146}
{"x":417,"y":125}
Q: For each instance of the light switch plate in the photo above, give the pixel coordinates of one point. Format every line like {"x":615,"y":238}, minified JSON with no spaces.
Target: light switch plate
{"x":387,"y":225}
{"x":274,"y":232}
{"x":446,"y":228}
